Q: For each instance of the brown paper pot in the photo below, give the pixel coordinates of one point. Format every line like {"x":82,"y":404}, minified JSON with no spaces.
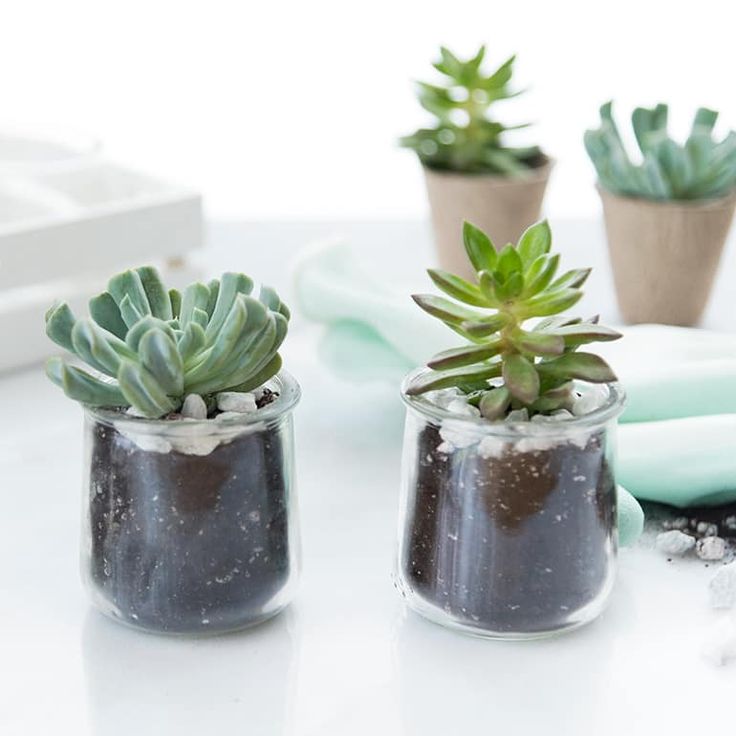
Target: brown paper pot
{"x":665,"y":255}
{"x":501,"y":206}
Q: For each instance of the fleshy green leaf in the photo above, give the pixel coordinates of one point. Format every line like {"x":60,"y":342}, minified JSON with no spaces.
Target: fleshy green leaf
{"x":466,"y":355}
{"x":479,"y":248}
{"x":447,"y":379}
{"x":81,"y":386}
{"x":486,"y":325}
{"x":539,"y":343}
{"x":159,"y":356}
{"x":458,"y":288}
{"x":142,"y":391}
{"x":444,"y":309}
{"x":548,"y":303}
{"x":585,"y":366}
{"x":520,"y":378}
{"x":59,"y":324}
{"x":105,"y":312}
{"x":536,"y":241}
{"x":158,"y":299}
{"x":495,"y":403}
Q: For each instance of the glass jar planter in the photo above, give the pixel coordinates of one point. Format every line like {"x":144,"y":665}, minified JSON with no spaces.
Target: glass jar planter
{"x":191,"y":526}
{"x":508,"y":530}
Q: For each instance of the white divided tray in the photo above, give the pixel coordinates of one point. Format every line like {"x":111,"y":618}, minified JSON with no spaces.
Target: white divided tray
{"x":63,"y":233}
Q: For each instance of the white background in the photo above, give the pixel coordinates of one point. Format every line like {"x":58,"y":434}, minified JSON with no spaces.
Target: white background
{"x":291,"y":109}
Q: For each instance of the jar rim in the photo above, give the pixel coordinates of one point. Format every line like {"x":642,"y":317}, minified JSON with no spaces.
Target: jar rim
{"x":610,"y":409}
{"x":289,"y":395}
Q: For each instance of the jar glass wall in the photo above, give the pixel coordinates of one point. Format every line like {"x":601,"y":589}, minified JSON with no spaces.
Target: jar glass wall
{"x":191,"y":526}
{"x":508,"y":530}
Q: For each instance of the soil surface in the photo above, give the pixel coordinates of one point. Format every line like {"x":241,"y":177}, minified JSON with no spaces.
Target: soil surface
{"x":187,"y":543}
{"x":516,"y":543}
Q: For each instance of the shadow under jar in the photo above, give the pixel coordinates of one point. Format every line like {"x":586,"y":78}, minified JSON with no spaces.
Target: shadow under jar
{"x":508,"y":530}
{"x":190,"y":527}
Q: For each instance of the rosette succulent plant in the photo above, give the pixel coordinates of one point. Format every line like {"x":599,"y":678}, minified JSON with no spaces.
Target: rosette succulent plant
{"x":701,"y":168}
{"x":464,"y":137}
{"x":149,"y":347}
{"x":511,"y":363}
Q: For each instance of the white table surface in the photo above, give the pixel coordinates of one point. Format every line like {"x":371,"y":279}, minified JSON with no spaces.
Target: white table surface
{"x":346,"y":658}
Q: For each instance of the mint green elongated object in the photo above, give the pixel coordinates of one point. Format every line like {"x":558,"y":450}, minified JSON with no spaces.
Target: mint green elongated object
{"x":630,"y":518}
{"x":683,"y":462}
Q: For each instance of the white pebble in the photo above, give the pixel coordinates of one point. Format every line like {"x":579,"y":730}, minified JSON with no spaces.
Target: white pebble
{"x":462,"y":408}
{"x":133,"y":411}
{"x":229,"y":415}
{"x":711,"y":548}
{"x":591,"y":399}
{"x":722,"y":587}
{"x":243,"y":403}
{"x":517,"y":415}
{"x":491,"y":447}
{"x":720,"y":644}
{"x":194,"y":407}
{"x":674,"y":542}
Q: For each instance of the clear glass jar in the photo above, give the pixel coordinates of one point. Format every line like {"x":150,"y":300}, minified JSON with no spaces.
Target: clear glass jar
{"x":508,"y":530}
{"x":190,"y":527}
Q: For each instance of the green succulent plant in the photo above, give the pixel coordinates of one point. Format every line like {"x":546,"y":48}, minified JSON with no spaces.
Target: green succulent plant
{"x":701,"y":168}
{"x":464,"y":137}
{"x":149,"y":347}
{"x":507,"y":363}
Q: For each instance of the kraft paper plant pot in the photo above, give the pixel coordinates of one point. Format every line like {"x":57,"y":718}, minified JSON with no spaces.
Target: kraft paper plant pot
{"x":502,"y":206}
{"x":665,"y":254}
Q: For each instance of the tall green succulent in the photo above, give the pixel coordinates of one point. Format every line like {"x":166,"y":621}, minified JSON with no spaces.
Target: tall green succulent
{"x":464,"y":137}
{"x":507,"y":363}
{"x":149,"y":347}
{"x":701,"y":168}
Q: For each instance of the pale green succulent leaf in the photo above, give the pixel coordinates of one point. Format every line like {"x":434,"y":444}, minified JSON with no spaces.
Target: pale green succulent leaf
{"x":584,"y":366}
{"x":106,"y":313}
{"x":195,"y":296}
{"x":538,"y":343}
{"x":459,"y":288}
{"x":158,"y":299}
{"x":141,"y":390}
{"x":175,"y":299}
{"x":258,"y":379}
{"x":81,"y":386}
{"x":480,"y":249}
{"x":495,"y":403}
{"x":160,"y":357}
{"x":520,"y":377}
{"x":466,"y":355}
{"x":446,"y":379}
{"x":128,"y":287}
{"x":536,"y":241}
{"x":59,"y":324}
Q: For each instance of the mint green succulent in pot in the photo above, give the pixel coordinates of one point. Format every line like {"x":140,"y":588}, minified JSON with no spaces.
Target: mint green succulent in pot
{"x":464,"y":136}
{"x":149,"y":347}
{"x":470,"y":169}
{"x":509,"y":362}
{"x":703,"y":167}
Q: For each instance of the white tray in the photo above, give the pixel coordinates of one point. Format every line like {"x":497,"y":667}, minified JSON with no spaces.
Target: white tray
{"x":63,"y":233}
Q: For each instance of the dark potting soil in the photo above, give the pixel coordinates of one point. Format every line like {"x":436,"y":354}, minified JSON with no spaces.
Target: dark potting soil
{"x":516,"y":543}
{"x":184,"y":543}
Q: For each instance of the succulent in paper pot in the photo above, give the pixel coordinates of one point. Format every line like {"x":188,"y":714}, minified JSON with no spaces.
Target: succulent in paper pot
{"x":510,"y":363}
{"x":701,"y":168}
{"x":464,"y":136}
{"x":150,"y":347}
{"x":190,"y":525}
{"x":667,"y":214}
